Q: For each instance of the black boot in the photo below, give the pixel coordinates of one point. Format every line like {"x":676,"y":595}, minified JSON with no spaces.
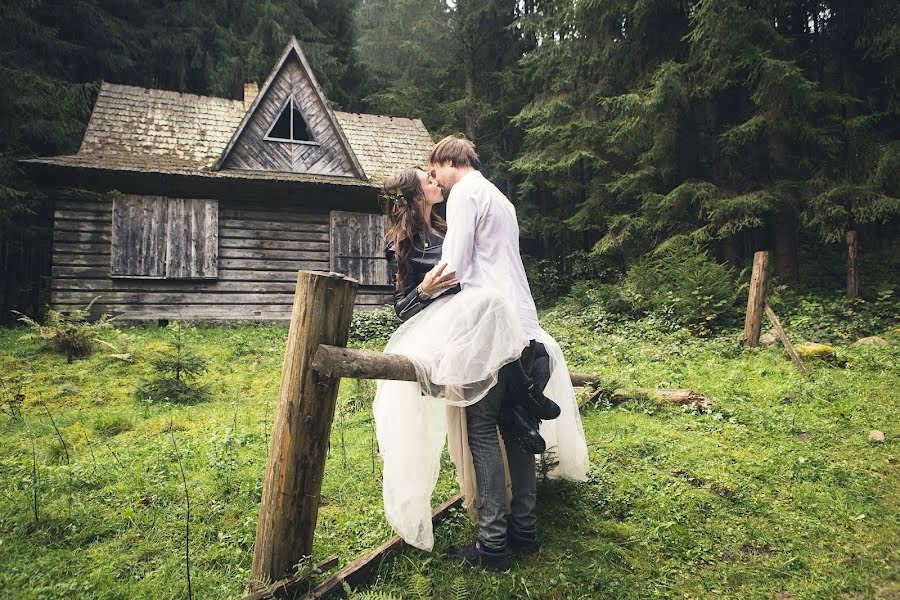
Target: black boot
{"x":477,"y":555}
{"x":522,"y":388}
{"x":518,"y":426}
{"x":520,"y":542}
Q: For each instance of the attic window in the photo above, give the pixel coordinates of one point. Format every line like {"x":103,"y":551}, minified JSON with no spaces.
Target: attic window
{"x":290,"y":126}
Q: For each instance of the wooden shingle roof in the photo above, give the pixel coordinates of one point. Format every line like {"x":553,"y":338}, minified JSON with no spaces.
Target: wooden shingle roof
{"x":159,"y":131}
{"x":385,"y":144}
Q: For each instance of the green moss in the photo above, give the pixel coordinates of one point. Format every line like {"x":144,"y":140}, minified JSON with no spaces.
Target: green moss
{"x":812,"y":350}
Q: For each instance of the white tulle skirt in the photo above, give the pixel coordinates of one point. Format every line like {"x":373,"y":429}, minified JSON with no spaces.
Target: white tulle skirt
{"x":458,"y":345}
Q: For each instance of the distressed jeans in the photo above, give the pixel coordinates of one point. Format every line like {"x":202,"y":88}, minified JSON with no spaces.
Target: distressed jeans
{"x":481,"y":420}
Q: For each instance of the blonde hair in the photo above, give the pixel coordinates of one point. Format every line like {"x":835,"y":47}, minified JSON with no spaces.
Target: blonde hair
{"x":458,"y":151}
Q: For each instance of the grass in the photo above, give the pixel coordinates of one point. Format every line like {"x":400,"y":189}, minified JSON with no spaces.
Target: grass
{"x":775,"y":493}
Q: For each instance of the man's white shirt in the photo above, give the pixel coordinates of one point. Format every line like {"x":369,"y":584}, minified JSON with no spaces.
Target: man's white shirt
{"x":482,"y":244}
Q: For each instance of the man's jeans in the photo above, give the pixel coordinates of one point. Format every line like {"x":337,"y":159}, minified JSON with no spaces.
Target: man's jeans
{"x":481,"y":420}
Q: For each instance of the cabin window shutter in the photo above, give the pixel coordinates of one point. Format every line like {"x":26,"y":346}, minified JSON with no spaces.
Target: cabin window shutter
{"x":357,"y":247}
{"x":139,"y":237}
{"x":155,"y":237}
{"x":192,"y":239}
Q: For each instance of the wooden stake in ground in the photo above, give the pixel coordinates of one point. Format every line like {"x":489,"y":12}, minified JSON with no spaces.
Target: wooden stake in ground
{"x":788,"y":346}
{"x":756,"y":299}
{"x":852,"y":265}
{"x":323,"y":308}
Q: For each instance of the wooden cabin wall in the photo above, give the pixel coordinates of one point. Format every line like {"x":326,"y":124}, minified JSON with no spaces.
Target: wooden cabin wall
{"x":261,"y":248}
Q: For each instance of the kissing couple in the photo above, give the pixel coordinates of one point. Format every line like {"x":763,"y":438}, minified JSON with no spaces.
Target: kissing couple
{"x":489,"y":379}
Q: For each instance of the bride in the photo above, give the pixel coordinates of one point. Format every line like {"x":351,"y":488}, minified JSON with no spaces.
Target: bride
{"x":458,"y":341}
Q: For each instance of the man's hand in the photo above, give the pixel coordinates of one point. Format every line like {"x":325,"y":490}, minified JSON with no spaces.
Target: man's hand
{"x":438,"y":280}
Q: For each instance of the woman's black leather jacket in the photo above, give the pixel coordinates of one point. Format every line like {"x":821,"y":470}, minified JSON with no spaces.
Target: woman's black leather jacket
{"x":423,"y":256}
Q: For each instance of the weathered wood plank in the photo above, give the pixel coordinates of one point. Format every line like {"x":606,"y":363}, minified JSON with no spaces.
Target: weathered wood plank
{"x":229,"y":312}
{"x":96,"y":237}
{"x":154,"y":297}
{"x":81,"y":260}
{"x":272,"y":235}
{"x":255,"y":264}
{"x":272,"y":225}
{"x":81,"y":215}
{"x":89,"y":206}
{"x":78,"y":225}
{"x":299,"y":254}
{"x":224,"y":312}
{"x":82,"y":248}
{"x":266,"y":244}
{"x":278,"y":216}
{"x":225,"y":275}
{"x":209,"y":286}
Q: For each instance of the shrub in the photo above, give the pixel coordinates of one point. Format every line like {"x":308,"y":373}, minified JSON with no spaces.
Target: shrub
{"x":69,"y":333}
{"x":683,"y":286}
{"x":373,"y":325}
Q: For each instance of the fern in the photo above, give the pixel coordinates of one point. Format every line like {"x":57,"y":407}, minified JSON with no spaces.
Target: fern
{"x":72,"y":333}
{"x":420,"y":587}
{"x":458,"y":590}
{"x":370,"y":595}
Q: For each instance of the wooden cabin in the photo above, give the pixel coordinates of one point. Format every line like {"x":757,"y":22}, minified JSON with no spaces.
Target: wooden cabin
{"x":179,"y":206}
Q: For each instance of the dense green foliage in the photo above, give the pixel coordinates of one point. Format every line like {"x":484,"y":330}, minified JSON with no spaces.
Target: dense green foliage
{"x":776,"y":489}
{"x":618,"y":126}
{"x":614,"y":126}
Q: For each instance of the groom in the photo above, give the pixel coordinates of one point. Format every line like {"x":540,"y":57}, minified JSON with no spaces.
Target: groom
{"x":482,"y":247}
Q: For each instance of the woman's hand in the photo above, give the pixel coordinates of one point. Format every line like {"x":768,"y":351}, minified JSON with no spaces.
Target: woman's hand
{"x":438,"y":280}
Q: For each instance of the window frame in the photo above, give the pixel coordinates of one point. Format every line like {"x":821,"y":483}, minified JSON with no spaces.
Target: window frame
{"x":268,"y":137}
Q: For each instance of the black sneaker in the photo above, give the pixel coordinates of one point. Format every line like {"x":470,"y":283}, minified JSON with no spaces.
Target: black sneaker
{"x":478,"y":556}
{"x":519,"y":427}
{"x":522,"y":543}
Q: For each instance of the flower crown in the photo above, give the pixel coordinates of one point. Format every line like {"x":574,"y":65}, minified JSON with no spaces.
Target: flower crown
{"x":394,"y":196}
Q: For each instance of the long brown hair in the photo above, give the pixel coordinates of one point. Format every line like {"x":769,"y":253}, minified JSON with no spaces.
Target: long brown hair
{"x":400,"y":192}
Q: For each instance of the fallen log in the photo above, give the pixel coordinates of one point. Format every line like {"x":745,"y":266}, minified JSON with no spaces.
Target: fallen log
{"x":290,"y":585}
{"x":360,"y":570}
{"x":788,"y":346}
{"x":668,"y":396}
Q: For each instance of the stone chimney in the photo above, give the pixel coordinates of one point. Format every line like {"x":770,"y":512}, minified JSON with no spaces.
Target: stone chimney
{"x":251,"y":90}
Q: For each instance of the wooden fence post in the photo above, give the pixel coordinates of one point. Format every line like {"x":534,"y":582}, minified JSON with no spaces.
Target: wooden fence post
{"x":756,"y":299}
{"x":852,"y":265}
{"x":323,"y":308}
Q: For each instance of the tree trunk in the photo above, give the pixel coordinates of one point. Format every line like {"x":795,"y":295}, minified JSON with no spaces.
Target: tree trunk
{"x":852,"y":265}
{"x":728,"y":251}
{"x":469,"y":87}
{"x":786,"y":262}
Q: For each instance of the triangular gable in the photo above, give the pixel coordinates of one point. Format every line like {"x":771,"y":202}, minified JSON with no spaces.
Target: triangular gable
{"x":329,"y":152}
